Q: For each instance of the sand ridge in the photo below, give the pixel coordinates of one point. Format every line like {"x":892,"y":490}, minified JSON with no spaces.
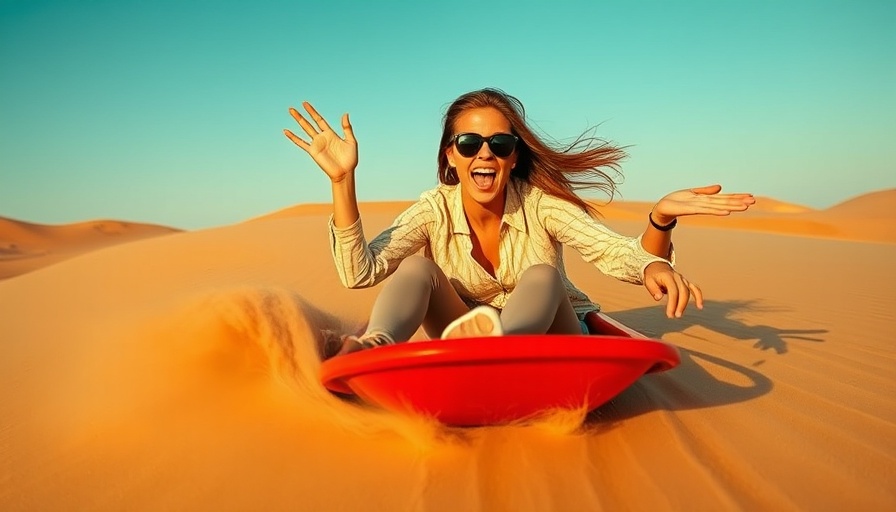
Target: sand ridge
{"x":27,"y":246}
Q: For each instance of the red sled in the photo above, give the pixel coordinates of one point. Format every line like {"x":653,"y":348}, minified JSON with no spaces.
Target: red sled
{"x":503,"y":379}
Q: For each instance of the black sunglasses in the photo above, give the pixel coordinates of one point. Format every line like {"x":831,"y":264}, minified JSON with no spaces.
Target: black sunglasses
{"x":501,"y":144}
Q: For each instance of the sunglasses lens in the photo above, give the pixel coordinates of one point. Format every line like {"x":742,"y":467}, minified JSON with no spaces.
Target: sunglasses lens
{"x":502,"y":145}
{"x":468,"y":144}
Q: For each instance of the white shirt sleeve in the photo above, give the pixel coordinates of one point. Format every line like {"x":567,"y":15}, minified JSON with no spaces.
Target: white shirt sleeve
{"x":361,"y":264}
{"x":615,"y":255}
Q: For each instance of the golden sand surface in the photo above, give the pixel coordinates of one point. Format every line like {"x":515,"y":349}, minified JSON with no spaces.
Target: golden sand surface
{"x":179,"y":370}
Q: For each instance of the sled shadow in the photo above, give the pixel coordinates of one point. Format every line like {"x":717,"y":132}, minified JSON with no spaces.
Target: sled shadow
{"x":688,"y":386}
{"x":694,"y":383}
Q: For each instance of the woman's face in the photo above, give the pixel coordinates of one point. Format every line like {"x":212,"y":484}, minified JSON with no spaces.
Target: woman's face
{"x":483,"y":175}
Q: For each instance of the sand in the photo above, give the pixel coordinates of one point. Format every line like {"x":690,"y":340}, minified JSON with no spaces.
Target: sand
{"x":179,"y":371}
{"x":26,"y":246}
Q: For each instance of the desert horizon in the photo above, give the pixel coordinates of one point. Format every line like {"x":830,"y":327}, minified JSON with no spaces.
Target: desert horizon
{"x":147,"y":367}
{"x":26,"y":246}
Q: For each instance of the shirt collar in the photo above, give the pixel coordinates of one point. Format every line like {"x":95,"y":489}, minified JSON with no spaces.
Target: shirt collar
{"x":514,"y":214}
{"x":458,"y":219}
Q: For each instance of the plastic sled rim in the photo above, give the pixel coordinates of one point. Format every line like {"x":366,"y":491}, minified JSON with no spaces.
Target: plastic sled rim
{"x":510,"y":349}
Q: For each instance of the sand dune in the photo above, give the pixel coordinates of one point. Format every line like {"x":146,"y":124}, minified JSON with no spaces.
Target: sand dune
{"x":180,"y":372}
{"x":26,"y":246}
{"x":873,"y":205}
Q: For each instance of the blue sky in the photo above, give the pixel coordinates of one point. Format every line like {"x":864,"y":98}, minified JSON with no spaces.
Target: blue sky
{"x":171,"y":112}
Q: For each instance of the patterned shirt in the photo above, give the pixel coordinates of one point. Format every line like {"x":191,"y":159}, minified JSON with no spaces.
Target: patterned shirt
{"x":534,"y":229}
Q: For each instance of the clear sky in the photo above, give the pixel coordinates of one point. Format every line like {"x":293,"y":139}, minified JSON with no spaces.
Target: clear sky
{"x":172,"y":112}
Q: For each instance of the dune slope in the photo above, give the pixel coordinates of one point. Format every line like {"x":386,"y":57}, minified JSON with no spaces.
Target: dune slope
{"x":181,"y":373}
{"x":26,"y":246}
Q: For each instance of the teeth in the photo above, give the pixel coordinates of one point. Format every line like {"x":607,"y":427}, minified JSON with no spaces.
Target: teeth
{"x":485,"y":171}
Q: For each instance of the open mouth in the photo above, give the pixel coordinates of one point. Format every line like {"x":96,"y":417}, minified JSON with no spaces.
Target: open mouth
{"x":484,"y":178}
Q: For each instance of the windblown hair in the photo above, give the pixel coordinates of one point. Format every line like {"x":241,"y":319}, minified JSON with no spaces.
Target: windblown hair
{"x":556,"y":169}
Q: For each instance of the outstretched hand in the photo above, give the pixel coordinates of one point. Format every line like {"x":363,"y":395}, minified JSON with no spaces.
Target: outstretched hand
{"x":700,"y":201}
{"x":661,"y":279}
{"x":337,"y":156}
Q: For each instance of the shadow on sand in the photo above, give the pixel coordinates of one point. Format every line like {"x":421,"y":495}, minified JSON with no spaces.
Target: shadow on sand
{"x":719,"y":316}
{"x":688,"y":386}
{"x":691,"y":385}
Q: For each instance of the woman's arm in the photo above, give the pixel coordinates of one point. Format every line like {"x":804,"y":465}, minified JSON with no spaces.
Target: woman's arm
{"x":619,"y":256}
{"x":345,"y":202}
{"x":657,"y":237}
{"x":361,"y":264}
{"x":616,"y":255}
{"x":336,"y":156}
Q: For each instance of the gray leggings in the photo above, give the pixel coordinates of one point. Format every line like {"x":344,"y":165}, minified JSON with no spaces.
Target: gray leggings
{"x":419,"y":293}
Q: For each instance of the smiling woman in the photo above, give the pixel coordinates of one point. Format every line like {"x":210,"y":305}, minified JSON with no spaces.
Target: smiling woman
{"x":468,"y":144}
{"x":493,"y":230}
{"x":557,"y":171}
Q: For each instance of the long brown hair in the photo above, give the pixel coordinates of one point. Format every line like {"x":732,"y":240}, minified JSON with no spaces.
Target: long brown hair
{"x":556,"y":169}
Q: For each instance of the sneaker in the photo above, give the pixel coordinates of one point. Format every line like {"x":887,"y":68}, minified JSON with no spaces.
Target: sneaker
{"x":375,"y":339}
{"x":479,"y":321}
{"x":350,"y":343}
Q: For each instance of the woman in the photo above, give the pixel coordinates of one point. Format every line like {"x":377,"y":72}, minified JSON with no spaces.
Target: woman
{"x":493,"y":231}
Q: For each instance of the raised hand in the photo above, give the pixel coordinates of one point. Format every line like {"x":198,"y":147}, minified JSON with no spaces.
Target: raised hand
{"x":700,"y":201}
{"x":337,"y":156}
{"x":661,"y":279}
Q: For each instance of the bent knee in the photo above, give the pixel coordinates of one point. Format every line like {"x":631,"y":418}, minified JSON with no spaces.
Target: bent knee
{"x":542,"y":271}
{"x":418,"y":266}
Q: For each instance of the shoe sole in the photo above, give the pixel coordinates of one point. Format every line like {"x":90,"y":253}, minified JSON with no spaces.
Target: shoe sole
{"x":477,"y":323}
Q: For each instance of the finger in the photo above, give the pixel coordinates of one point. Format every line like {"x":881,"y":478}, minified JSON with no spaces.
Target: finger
{"x":698,"y":294}
{"x":684,"y":295}
{"x":740,"y":195}
{"x":732,"y":199}
{"x":653,"y":288}
{"x":716,"y":210}
{"x":707,"y":190}
{"x":722,"y":200}
{"x":319,"y":119}
{"x":347,"y":129}
{"x":306,"y":126}
{"x":296,"y":140}
{"x":720,"y":207}
{"x":745,"y":199}
{"x":672,"y":291}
